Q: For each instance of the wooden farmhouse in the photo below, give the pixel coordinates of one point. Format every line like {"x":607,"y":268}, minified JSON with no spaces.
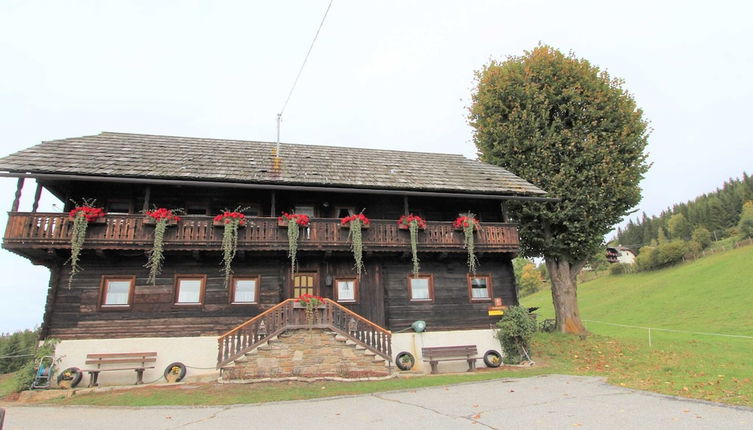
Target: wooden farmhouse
{"x":249,"y":324}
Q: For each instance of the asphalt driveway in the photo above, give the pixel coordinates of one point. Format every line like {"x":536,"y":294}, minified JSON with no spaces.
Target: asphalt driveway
{"x":545,"y":402}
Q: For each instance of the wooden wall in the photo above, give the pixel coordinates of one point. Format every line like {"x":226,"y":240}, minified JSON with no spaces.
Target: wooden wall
{"x":383,"y":293}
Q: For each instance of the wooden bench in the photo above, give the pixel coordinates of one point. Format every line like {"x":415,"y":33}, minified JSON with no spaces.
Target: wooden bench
{"x":136,"y":361}
{"x":435,"y":354}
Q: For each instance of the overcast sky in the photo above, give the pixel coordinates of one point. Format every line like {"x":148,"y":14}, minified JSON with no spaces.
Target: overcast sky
{"x":388,"y":74}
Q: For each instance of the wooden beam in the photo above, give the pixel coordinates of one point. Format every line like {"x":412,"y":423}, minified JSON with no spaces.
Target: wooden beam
{"x":17,"y":200}
{"x":503,"y":208}
{"x":406,"y":208}
{"x":147,"y":197}
{"x":37,"y":195}
{"x":273,"y":203}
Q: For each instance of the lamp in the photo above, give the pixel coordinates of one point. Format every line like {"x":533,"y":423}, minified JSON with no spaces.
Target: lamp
{"x":418,"y":326}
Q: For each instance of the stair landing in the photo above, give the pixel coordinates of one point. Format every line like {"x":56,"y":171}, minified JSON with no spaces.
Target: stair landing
{"x":309,"y":353}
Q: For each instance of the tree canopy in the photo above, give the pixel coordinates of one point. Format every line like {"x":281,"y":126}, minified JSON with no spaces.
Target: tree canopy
{"x":571,"y":129}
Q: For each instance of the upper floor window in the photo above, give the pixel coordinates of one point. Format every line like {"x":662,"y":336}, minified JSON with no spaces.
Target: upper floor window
{"x":305,"y":210}
{"x":245,"y":289}
{"x":346,"y":290}
{"x":189,"y":289}
{"x":118,"y":206}
{"x":344,"y":211}
{"x":421,"y":288}
{"x":480,"y":287}
{"x":117,"y":291}
{"x":197,"y":208}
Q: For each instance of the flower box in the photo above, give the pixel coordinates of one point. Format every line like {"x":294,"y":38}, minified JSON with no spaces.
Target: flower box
{"x":363,"y":226}
{"x":151,"y":221}
{"x":407,"y":227}
{"x":100,"y":220}
{"x":221,"y":223}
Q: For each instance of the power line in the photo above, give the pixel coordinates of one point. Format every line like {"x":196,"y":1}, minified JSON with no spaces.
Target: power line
{"x":295,"y":82}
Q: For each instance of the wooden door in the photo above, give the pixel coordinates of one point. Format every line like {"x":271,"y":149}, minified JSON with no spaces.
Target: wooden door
{"x":305,"y":283}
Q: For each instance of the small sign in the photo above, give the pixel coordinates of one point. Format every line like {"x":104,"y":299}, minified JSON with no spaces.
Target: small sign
{"x":495,"y":312}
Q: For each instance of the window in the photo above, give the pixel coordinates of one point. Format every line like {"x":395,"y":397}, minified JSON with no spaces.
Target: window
{"x":346,"y":290}
{"x":189,"y":289}
{"x":480,"y":288}
{"x":197,"y":208}
{"x":421,"y":288}
{"x":344,"y":211}
{"x":305,"y":210}
{"x":118,"y":206}
{"x":245,"y":289}
{"x":117,"y":292}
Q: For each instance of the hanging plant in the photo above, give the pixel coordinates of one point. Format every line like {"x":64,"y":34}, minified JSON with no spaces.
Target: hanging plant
{"x":310,"y":303}
{"x":161,"y":218}
{"x":81,"y":217}
{"x":413,"y":223}
{"x":469,"y":224}
{"x":294,"y":222}
{"x":356,"y":223}
{"x":231,"y":220}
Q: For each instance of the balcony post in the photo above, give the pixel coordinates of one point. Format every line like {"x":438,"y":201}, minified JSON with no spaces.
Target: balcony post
{"x":147,"y":196}
{"x":37,"y":195}
{"x":272,"y":204}
{"x":503,"y":207}
{"x":406,"y":208}
{"x":17,"y":200}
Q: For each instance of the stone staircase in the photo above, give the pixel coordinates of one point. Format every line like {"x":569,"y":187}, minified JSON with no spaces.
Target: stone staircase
{"x":307,"y":353}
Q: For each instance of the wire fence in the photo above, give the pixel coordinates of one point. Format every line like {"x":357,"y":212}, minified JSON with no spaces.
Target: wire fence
{"x":650,"y":330}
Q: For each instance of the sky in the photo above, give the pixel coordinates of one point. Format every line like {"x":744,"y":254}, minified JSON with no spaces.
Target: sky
{"x":389,"y":74}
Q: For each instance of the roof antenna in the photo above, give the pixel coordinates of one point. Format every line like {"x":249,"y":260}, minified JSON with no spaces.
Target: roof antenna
{"x":277,"y":162}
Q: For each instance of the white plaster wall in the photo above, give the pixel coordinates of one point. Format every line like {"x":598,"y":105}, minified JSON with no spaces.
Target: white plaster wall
{"x":484,"y":340}
{"x":199,"y":354}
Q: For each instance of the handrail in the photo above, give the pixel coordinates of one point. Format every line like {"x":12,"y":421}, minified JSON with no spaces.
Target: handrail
{"x":358,"y":317}
{"x":256,"y":318}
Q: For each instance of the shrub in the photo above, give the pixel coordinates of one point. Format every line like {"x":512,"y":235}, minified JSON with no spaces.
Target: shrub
{"x":671,"y":252}
{"x":745,"y":226}
{"x":26,"y":375}
{"x":516,"y":329}
{"x":620,"y":268}
{"x":702,"y":236}
{"x":647,"y":258}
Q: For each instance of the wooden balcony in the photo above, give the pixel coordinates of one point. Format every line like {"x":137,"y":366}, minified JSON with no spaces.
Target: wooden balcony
{"x":29,"y":231}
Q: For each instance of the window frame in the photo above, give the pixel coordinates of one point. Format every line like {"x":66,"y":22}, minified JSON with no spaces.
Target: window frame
{"x":234,"y":279}
{"x":489,"y":288}
{"x":351,"y":210}
{"x":103,"y":292}
{"x":430,"y":277}
{"x":202,"y":289}
{"x":356,"y":289}
{"x":313,"y":206}
{"x":124,"y":202}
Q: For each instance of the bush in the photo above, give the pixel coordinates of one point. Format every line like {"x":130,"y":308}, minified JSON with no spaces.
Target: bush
{"x":17,"y":347}
{"x":516,"y":329}
{"x":620,"y":268}
{"x":702,"y":236}
{"x":671,"y":252}
{"x":26,"y":375}
{"x":745,"y":226}
{"x":647,"y":258}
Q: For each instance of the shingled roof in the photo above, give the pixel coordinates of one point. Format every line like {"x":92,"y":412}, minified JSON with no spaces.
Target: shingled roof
{"x":198,"y":159}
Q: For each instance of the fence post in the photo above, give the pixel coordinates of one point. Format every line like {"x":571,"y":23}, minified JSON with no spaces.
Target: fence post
{"x":649,"y":337}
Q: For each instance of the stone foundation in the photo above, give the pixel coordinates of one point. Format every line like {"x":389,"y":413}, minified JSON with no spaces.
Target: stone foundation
{"x":308,"y":353}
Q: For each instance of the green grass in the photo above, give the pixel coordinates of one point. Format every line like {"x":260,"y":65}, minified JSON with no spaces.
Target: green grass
{"x":710,"y":295}
{"x":7,"y":384}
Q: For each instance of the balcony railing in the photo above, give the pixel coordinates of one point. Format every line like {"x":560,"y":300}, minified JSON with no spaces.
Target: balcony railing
{"x":53,"y":230}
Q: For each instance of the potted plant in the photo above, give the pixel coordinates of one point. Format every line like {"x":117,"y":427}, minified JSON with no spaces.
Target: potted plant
{"x":412,"y":223}
{"x":310,"y":303}
{"x":161,"y":218}
{"x":468,"y":224}
{"x":294,"y":222}
{"x":356,"y":223}
{"x":232,"y":221}
{"x":81,"y":216}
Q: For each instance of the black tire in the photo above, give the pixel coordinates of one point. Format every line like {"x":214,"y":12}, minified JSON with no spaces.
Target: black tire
{"x":492,"y":358}
{"x":179,"y":373}
{"x":405,"y":360}
{"x":75,"y":373}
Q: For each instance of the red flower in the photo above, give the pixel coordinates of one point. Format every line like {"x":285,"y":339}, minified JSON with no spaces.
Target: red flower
{"x":228,"y":217}
{"x":89,"y":212}
{"x":162,"y":213}
{"x":361,"y":217}
{"x":408,"y":219}
{"x":300,"y":219}
{"x":464,"y":221}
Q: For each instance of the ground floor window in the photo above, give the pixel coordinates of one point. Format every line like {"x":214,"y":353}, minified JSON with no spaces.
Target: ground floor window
{"x":421,"y":288}
{"x":480,"y":287}
{"x":244,"y":289}
{"x":189,"y":289}
{"x":346,"y":290}
{"x":117,"y":292}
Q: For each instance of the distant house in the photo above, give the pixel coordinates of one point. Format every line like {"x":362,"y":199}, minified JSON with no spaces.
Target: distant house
{"x":620,"y":254}
{"x":192,"y":316}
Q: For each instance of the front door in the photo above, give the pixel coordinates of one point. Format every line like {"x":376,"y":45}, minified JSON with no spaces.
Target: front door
{"x":305,"y":283}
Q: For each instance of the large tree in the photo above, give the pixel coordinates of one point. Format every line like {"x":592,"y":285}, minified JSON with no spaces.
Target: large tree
{"x":568,"y":127}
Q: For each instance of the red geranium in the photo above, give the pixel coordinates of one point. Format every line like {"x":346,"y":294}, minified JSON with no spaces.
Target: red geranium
{"x":300,"y":219}
{"x":227,"y":217}
{"x":89,"y":212}
{"x":465,"y":221}
{"x":361,"y":217}
{"x":408,"y":219}
{"x":310,"y":299}
{"x":162,"y":213}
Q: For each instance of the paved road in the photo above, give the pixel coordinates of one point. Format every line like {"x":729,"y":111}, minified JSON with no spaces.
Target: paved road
{"x":546,"y":402}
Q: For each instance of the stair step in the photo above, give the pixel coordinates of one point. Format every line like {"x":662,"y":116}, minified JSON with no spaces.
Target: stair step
{"x":359,"y":347}
{"x":369,"y":353}
{"x":341,"y":338}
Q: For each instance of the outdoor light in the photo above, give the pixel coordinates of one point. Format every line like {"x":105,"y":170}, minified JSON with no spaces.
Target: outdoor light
{"x":418,"y":326}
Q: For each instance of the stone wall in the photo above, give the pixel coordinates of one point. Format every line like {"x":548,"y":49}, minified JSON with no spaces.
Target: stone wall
{"x":308,"y":353}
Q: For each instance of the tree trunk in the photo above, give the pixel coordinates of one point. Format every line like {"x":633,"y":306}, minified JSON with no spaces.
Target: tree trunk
{"x":564,"y":285}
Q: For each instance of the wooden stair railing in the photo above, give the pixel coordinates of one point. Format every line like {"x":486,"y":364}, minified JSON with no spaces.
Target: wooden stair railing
{"x":290,"y":315}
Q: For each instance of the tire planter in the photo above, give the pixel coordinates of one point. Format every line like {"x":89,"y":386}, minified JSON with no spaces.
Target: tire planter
{"x":175,"y":372}
{"x":405,"y":360}
{"x":75,"y":377}
{"x":492,"y":358}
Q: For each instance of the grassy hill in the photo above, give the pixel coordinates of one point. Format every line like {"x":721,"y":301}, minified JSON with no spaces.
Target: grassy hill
{"x":712,"y":294}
